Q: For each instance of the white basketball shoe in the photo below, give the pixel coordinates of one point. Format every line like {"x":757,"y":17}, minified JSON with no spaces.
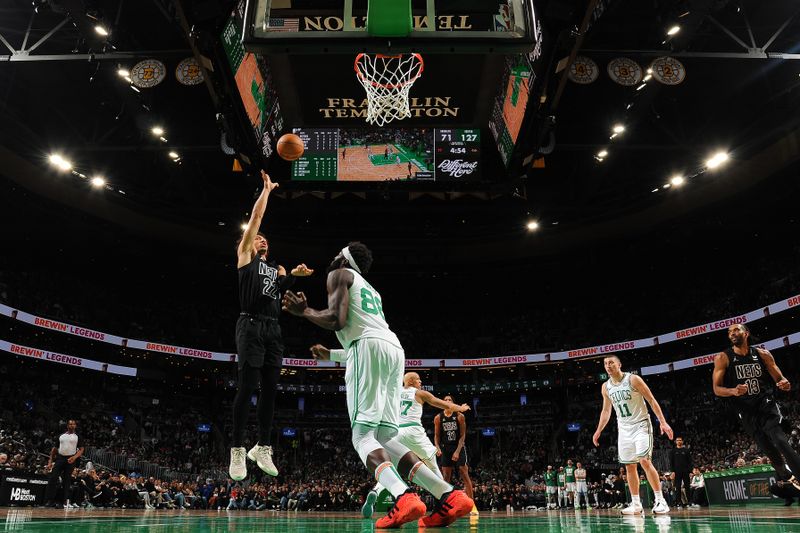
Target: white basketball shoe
{"x":633,"y":509}
{"x":661,"y":507}
{"x":262,"y":455}
{"x":238,"y":466}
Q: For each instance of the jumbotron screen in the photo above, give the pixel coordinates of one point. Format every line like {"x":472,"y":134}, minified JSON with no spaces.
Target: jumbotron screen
{"x":510,"y":104}
{"x":349,"y":154}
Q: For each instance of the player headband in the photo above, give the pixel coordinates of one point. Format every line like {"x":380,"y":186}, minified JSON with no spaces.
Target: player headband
{"x":347,"y":255}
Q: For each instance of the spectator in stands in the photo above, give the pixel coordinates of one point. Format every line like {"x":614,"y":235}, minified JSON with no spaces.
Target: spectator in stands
{"x":681,"y":462}
{"x":697,"y":487}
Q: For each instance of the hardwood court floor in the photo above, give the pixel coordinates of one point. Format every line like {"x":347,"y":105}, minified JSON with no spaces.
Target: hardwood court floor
{"x":356,"y":165}
{"x":774,"y":519}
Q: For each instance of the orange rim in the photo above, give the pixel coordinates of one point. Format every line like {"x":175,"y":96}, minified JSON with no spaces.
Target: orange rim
{"x":389,"y":85}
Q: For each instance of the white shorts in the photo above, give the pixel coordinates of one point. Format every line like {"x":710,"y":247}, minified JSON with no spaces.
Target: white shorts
{"x":551,"y":490}
{"x":580,"y":487}
{"x":635,"y":442}
{"x":415,"y":439}
{"x":373,"y":380}
{"x":570,"y":486}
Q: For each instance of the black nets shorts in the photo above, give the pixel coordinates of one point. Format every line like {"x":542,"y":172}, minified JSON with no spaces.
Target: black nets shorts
{"x":258,"y":342}
{"x":446,"y":459}
{"x":764,"y":417}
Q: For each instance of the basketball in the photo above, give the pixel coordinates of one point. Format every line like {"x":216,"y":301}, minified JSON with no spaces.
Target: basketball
{"x":290,"y":147}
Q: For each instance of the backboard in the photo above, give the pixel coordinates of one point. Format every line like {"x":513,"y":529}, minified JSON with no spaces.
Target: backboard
{"x":293,"y":65}
{"x":437,"y":26}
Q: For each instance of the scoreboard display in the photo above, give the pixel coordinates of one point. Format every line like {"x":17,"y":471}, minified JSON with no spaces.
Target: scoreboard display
{"x":458,"y":154}
{"x":319,"y":160}
{"x":351,"y":154}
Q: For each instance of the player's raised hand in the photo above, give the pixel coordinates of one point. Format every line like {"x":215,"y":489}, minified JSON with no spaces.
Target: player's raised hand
{"x":596,"y":439}
{"x":269,"y":185}
{"x":301,"y":271}
{"x":463,"y":408}
{"x":741,"y":390}
{"x":295,"y":304}
{"x":666,"y":430}
{"x":320,"y":352}
{"x":784,"y":385}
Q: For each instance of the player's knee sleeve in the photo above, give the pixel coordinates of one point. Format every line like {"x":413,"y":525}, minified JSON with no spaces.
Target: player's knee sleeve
{"x":364,"y":442}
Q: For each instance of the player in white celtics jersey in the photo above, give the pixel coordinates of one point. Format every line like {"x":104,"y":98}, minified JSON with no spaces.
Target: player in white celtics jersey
{"x":373,"y":379}
{"x":412,"y":434}
{"x":626,"y":394}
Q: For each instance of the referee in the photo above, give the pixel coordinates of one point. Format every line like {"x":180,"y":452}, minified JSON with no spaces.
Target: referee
{"x":62,"y":462}
{"x":258,"y":338}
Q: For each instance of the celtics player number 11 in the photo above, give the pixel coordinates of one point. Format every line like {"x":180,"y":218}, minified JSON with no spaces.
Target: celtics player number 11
{"x":626,"y":393}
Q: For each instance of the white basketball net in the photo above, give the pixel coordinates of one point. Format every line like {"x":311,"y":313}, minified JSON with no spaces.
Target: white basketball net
{"x":387,"y":80}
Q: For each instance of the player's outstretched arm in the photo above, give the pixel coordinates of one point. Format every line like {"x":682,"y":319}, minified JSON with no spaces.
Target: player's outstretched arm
{"x":245,"y":252}
{"x":718,"y":379}
{"x":287,"y":281}
{"x":335,"y":316}
{"x":605,"y":415}
{"x":423,"y":396}
{"x":772,"y":367}
{"x":639,"y":384}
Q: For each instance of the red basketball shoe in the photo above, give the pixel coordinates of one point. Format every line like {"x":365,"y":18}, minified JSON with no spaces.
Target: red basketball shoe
{"x":408,"y":507}
{"x":450,"y":508}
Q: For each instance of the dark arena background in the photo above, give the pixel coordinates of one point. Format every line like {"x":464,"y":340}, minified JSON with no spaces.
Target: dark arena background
{"x":575,"y":179}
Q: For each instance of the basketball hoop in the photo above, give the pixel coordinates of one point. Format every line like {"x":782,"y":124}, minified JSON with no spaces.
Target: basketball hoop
{"x":387,"y":80}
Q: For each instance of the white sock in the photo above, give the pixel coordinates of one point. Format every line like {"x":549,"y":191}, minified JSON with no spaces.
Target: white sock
{"x":387,"y":476}
{"x":423,"y":476}
{"x":659,"y":496}
{"x":635,"y":500}
{"x":431,"y":463}
{"x":377,"y":488}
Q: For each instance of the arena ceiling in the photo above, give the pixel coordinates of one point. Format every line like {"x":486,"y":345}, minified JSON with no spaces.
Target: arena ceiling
{"x":60,"y":91}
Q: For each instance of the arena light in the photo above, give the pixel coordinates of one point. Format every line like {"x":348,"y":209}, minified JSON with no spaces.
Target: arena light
{"x":642,"y":86}
{"x":602,"y":153}
{"x":98,"y":182}
{"x":244,"y":226}
{"x":647,"y":78}
{"x":717,"y":159}
{"x":101,"y":30}
{"x":532,"y":225}
{"x":61,"y":163}
{"x":123,"y":73}
{"x":655,"y":190}
{"x":157,"y":131}
{"x":174,"y":155}
{"x":677,"y":181}
{"x":673,"y":30}
{"x":136,"y":89}
{"x":667,"y":186}
{"x":618,"y":128}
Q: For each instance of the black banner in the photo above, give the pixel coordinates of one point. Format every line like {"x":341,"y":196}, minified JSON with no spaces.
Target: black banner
{"x":22,"y":489}
{"x":743,"y":485}
{"x":332,"y":95}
